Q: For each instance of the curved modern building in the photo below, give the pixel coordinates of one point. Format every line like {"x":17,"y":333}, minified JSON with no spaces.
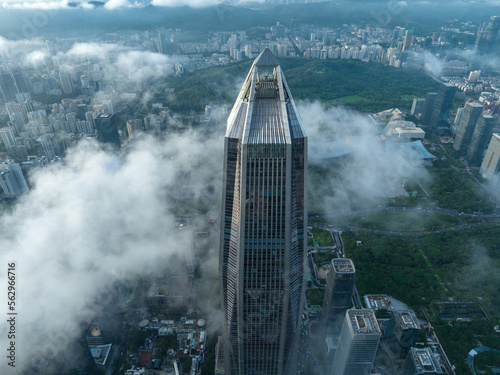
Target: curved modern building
{"x":264,"y":215}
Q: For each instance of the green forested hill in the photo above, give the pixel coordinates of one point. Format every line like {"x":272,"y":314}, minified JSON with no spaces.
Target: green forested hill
{"x":367,"y":87}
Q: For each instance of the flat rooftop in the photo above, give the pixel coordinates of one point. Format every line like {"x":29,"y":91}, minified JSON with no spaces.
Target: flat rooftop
{"x":105,"y":115}
{"x":407,"y":319}
{"x":363,"y":322}
{"x":424,"y":361}
{"x":343,"y":265}
{"x":475,"y":104}
{"x":377,"y":301}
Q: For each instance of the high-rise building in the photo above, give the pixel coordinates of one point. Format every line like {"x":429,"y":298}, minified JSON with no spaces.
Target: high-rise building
{"x":338,"y":294}
{"x":480,"y":138}
{"x":12,"y":180}
{"x":23,"y":108}
{"x":66,"y":83}
{"x":490,"y":168}
{"x":264,"y":213}
{"x":134,"y":126}
{"x":408,"y":40}
{"x":466,"y":126}
{"x":8,"y":87}
{"x":107,"y":131}
{"x":358,"y":343}
{"x":18,"y":76}
{"x":487,"y":37}
{"x":474,"y":76}
{"x":156,"y":123}
{"x":421,"y":361}
{"x":458,"y":116}
{"x":406,"y":327}
{"x":8,"y":136}
{"x":442,"y":105}
{"x":17,"y":121}
{"x":430,"y":98}
{"x":417,"y":107}
{"x":49,"y":146}
{"x":81,"y":111}
{"x":89,"y":116}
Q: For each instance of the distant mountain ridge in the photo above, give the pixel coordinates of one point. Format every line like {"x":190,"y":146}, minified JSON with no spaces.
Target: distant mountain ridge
{"x":69,"y":22}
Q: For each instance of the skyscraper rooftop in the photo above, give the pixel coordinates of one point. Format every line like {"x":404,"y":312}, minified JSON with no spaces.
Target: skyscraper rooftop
{"x":363,"y":322}
{"x":342,"y":265}
{"x":264,"y":111}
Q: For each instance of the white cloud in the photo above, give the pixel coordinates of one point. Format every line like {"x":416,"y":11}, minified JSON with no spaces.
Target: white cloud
{"x":191,"y":3}
{"x":92,"y":220}
{"x":113,"y":4}
{"x":371,"y":172}
{"x":44,"y":5}
{"x":35,"y":58}
{"x":100,"y":50}
{"x":139,"y":65}
{"x":132,"y":65}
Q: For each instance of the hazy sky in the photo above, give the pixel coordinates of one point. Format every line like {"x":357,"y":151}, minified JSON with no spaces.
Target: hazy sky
{"x":113,"y":4}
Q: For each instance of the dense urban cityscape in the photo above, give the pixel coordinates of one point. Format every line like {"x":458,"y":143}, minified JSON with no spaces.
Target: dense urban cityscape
{"x":292,"y":194}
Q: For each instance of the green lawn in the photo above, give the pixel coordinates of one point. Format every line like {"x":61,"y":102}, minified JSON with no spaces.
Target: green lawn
{"x":402,"y":221}
{"x":322,"y":236}
{"x":321,"y":257}
{"x":315,"y":296}
{"x":485,"y":359}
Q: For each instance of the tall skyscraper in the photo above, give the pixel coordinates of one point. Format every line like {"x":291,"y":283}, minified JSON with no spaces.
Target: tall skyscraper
{"x":264,"y":213}
{"x":442,"y":105}
{"x":490,"y":168}
{"x":430,"y":98}
{"x":408,"y":40}
{"x":466,"y":126}
{"x":18,"y":76}
{"x":417,"y":107}
{"x":49,"y":145}
{"x":488,"y":37}
{"x":480,"y":138}
{"x":81,"y":111}
{"x":107,"y":131}
{"x":12,"y":179}
{"x":358,"y":343}
{"x":66,"y":83}
{"x":8,"y":87}
{"x":338,"y":294}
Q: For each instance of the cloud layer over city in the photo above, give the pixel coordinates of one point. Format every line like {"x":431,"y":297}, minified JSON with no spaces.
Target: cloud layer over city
{"x":95,"y":219}
{"x":99,"y":218}
{"x":371,"y":170}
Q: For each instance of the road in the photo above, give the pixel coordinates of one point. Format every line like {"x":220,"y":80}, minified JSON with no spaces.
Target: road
{"x":314,"y":271}
{"x":462,"y":218}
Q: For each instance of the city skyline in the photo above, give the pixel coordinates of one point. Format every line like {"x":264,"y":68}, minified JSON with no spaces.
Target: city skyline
{"x":204,"y":221}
